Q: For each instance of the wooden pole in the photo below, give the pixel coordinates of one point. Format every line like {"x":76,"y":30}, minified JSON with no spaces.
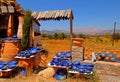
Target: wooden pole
{"x":114,"y":33}
{"x":71,"y":35}
{"x":10,"y":26}
{"x":19,"y":32}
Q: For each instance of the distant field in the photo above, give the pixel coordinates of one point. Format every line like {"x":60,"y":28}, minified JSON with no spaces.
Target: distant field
{"x":54,"y":46}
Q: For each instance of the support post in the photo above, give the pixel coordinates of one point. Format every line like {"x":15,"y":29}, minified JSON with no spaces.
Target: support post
{"x":113,"y":36}
{"x":71,"y":35}
{"x":10,"y":26}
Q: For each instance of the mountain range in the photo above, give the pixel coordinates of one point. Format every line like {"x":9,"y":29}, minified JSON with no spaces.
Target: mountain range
{"x":91,"y":30}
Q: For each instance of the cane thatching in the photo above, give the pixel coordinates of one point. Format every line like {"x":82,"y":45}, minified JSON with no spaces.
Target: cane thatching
{"x":53,"y":15}
{"x":10,"y":6}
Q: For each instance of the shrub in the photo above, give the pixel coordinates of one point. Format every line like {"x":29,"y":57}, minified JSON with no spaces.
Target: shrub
{"x":25,"y":41}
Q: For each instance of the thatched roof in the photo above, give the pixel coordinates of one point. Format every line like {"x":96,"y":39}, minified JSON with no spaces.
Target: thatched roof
{"x":53,"y":15}
{"x":7,"y":6}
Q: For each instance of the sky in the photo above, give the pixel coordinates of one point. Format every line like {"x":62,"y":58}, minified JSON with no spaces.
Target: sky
{"x":87,"y":13}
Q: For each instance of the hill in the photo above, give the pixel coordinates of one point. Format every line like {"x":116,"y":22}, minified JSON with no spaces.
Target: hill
{"x":90,"y":31}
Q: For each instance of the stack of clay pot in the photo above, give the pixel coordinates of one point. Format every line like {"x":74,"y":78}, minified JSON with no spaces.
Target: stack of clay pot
{"x":106,"y":56}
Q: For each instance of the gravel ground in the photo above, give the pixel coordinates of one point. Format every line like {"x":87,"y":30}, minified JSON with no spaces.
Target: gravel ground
{"x":108,"y":78}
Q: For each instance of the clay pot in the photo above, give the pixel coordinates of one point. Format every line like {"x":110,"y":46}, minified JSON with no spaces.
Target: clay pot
{"x":107,"y":52}
{"x":86,"y":48}
{"x":96,"y":54}
{"x":99,"y":58}
{"x":112,"y":59}
{"x":99,"y":52}
{"x":88,"y":56}
{"x":103,"y":50}
{"x":91,"y":49}
{"x":111,"y":50}
{"x":118,"y":57}
{"x":103,"y":55}
{"x":107,"y":58}
{"x":110,"y":56}
{"x":115,"y":53}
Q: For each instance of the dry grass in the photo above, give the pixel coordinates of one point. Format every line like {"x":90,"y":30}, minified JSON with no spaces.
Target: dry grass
{"x":54,"y":46}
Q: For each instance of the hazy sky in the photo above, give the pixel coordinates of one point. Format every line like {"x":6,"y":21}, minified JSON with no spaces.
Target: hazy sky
{"x":87,"y":13}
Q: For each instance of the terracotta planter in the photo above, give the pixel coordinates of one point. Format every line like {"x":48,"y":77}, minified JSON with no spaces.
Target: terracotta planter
{"x":77,"y":41}
{"x":6,"y":74}
{"x":9,"y":50}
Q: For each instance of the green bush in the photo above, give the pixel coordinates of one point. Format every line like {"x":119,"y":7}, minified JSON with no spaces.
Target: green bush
{"x":25,"y":41}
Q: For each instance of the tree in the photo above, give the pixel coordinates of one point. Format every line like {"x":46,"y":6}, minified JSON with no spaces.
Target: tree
{"x":74,"y":35}
{"x":25,"y":41}
{"x":55,"y":36}
{"x":50,"y":36}
{"x":82,"y":36}
{"x":116,"y":36}
{"x":44,"y":35}
{"x":62,"y":36}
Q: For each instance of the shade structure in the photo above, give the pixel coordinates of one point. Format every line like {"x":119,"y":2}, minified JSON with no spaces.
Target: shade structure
{"x":56,"y":15}
{"x":53,"y":15}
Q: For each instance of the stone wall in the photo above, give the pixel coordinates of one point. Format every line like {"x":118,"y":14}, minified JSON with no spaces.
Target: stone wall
{"x":77,"y":53}
{"x":106,"y":68}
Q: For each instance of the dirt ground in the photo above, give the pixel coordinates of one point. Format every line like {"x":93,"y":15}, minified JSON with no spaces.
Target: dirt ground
{"x":35,"y":78}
